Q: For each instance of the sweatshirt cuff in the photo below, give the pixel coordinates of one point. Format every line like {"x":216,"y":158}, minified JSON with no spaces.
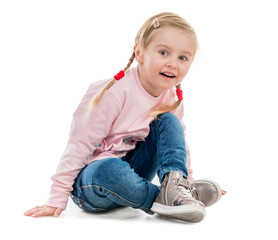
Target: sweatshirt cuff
{"x":59,"y":202}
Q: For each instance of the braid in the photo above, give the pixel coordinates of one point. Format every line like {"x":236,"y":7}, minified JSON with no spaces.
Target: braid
{"x":110,"y":84}
{"x":167,"y":108}
{"x":130,"y":61}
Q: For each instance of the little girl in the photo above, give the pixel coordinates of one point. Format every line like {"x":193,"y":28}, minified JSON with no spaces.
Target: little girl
{"x":129,"y":128}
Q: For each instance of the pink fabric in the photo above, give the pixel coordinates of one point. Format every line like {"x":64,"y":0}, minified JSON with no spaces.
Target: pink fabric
{"x":110,"y":129}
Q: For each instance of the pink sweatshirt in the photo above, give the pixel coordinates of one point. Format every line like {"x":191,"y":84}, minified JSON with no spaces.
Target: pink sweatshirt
{"x":111,"y":129}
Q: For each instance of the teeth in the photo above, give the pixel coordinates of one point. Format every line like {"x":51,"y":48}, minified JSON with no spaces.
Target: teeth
{"x":169,"y":75}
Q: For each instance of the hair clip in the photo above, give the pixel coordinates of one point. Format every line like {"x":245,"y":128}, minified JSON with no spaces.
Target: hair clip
{"x":179,"y":94}
{"x":119,"y":75}
{"x":156,"y":23}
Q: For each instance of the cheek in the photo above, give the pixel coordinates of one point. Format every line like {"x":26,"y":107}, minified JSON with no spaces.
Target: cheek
{"x":184,"y":70}
{"x":152,"y":64}
{"x":157,"y":64}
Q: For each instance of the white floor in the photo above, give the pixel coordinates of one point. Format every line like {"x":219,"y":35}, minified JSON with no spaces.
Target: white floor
{"x":235,"y":216}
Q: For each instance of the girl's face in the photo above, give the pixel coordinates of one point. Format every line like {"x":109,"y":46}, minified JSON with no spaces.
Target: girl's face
{"x":166,"y":60}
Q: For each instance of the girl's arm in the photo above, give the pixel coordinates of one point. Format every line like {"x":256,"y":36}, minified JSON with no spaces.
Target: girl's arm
{"x":88,"y":129}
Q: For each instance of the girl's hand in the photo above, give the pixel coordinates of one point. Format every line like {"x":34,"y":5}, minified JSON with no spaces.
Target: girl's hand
{"x":44,"y":210}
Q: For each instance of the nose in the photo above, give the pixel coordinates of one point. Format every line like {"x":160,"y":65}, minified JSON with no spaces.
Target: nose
{"x":172,"y":63}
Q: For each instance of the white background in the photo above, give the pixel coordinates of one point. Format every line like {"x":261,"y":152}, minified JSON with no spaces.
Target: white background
{"x":50,"y":51}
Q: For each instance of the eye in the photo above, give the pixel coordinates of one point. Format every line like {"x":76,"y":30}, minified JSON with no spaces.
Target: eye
{"x":164,"y":53}
{"x":183,"y":58}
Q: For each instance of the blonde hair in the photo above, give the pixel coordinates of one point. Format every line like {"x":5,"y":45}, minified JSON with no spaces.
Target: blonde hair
{"x":143,"y":38}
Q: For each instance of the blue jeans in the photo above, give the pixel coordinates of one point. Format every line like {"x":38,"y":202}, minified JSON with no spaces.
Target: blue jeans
{"x":115,"y":182}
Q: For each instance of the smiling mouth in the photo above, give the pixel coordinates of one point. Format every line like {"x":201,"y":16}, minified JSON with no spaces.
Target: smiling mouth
{"x":168,"y":75}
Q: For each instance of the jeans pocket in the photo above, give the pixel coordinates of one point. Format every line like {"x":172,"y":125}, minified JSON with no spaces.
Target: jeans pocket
{"x":84,"y":205}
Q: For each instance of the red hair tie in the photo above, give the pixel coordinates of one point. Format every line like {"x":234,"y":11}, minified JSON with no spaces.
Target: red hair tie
{"x":119,"y":75}
{"x":179,"y":94}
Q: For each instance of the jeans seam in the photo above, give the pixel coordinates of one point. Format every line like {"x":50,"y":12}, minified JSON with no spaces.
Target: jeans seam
{"x":162,"y":145}
{"x":82,"y":202}
{"x":116,"y":195}
{"x":164,"y":171}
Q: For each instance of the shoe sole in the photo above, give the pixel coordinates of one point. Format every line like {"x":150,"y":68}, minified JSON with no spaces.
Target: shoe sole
{"x":193,"y":214}
{"x":200,"y":181}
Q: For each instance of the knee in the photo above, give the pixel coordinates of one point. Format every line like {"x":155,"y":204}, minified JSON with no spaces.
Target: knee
{"x":169,"y":118}
{"x":100,"y":171}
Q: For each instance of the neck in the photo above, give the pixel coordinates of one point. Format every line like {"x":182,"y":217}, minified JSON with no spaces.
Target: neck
{"x":153,"y":92}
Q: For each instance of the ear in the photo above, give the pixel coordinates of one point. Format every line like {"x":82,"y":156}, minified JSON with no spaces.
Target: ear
{"x":138,"y":53}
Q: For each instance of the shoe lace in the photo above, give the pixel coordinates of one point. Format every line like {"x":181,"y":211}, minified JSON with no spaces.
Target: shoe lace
{"x":185,"y":190}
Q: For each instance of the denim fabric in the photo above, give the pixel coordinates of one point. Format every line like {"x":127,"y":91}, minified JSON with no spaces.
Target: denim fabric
{"x":114,"y":182}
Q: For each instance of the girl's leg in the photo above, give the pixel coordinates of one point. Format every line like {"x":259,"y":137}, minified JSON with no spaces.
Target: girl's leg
{"x":165,"y":150}
{"x":111,"y":183}
{"x":162,"y":151}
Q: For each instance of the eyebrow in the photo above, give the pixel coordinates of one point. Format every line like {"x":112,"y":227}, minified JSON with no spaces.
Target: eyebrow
{"x":165,"y":46}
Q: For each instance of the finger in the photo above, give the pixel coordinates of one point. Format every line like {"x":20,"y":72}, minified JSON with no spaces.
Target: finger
{"x":58,"y":212}
{"x":41,"y":213}
{"x":33,"y":210}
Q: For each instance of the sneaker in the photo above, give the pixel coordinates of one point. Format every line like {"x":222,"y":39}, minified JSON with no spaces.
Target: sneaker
{"x":206,"y":191}
{"x":176,"y":201}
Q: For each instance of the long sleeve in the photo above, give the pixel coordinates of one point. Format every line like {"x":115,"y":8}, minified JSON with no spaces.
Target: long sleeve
{"x":87,"y":131}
